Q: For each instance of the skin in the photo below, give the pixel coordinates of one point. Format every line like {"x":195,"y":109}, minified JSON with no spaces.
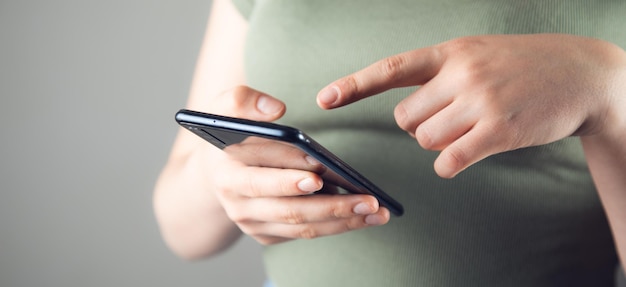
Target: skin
{"x":204,"y":200}
{"x":474,"y":101}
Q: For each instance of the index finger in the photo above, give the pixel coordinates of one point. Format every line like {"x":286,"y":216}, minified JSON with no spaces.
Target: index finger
{"x":410,"y":68}
{"x":262,"y":152}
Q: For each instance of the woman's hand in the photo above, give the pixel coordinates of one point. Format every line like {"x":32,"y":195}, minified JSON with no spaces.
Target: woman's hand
{"x":270,"y":202}
{"x":203,"y":198}
{"x":484,"y":95}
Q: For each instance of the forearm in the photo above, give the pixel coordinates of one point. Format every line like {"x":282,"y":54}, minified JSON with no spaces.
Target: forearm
{"x":190,"y":217}
{"x":606,"y":157}
{"x":607,"y":162}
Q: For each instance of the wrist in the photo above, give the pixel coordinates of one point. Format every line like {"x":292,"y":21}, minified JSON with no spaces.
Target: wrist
{"x":607,"y":114}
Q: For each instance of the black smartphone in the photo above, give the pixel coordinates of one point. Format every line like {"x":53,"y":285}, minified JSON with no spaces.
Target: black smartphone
{"x":260,"y":143}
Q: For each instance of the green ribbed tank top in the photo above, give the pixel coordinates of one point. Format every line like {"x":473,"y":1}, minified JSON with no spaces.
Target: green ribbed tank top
{"x":529,"y":217}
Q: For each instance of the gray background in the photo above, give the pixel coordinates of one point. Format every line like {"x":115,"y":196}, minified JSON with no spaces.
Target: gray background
{"x":88,"y":92}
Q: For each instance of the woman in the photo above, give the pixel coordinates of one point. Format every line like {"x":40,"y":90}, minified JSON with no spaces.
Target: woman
{"x":521,"y":106}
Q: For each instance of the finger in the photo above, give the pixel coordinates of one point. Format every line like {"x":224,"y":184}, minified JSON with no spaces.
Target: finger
{"x":245,"y":102}
{"x":250,"y":181}
{"x":256,"y":151}
{"x":475,"y":145}
{"x":269,"y":240}
{"x":407,"y":69}
{"x":446,"y":126}
{"x":316,"y":229}
{"x":306,"y":209}
{"x":328,"y":188}
{"x":422,"y":104}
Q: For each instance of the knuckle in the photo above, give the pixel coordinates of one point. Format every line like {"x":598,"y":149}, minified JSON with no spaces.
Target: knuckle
{"x":254,"y":188}
{"x":354,"y":223}
{"x":473,"y":70}
{"x":350,"y":87}
{"x":392,"y":68}
{"x":307,"y":231}
{"x":224,"y":194}
{"x":456,"y":157}
{"x":238,"y":96}
{"x":463,"y":45}
{"x":424,"y":138}
{"x":292,"y":216}
{"x":473,"y":75}
{"x":239,"y":100}
{"x":402,"y":117}
{"x":287,"y":186}
{"x":240,"y":91}
{"x":336,"y":210}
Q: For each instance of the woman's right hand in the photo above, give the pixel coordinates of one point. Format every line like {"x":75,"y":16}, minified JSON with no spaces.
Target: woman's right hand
{"x":275,"y":204}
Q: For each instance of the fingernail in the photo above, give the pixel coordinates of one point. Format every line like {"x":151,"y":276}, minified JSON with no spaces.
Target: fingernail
{"x":268,"y":105}
{"x":363,"y":208}
{"x":309,"y":185}
{"x":311,"y":160}
{"x":374,"y":219}
{"x":328,"y":96}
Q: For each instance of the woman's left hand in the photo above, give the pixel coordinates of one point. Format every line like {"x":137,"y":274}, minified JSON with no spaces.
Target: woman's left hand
{"x":484,"y":95}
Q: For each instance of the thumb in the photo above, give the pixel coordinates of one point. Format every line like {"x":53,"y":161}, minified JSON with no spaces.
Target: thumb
{"x":248,"y":103}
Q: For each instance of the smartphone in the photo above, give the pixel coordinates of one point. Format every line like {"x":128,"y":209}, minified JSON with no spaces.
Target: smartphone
{"x":273,"y":145}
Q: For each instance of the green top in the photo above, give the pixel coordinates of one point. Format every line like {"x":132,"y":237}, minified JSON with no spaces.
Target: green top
{"x":529,"y":217}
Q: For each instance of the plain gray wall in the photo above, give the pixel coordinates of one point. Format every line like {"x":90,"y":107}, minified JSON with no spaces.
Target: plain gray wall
{"x":88,"y":94}
{"x":88,"y":90}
